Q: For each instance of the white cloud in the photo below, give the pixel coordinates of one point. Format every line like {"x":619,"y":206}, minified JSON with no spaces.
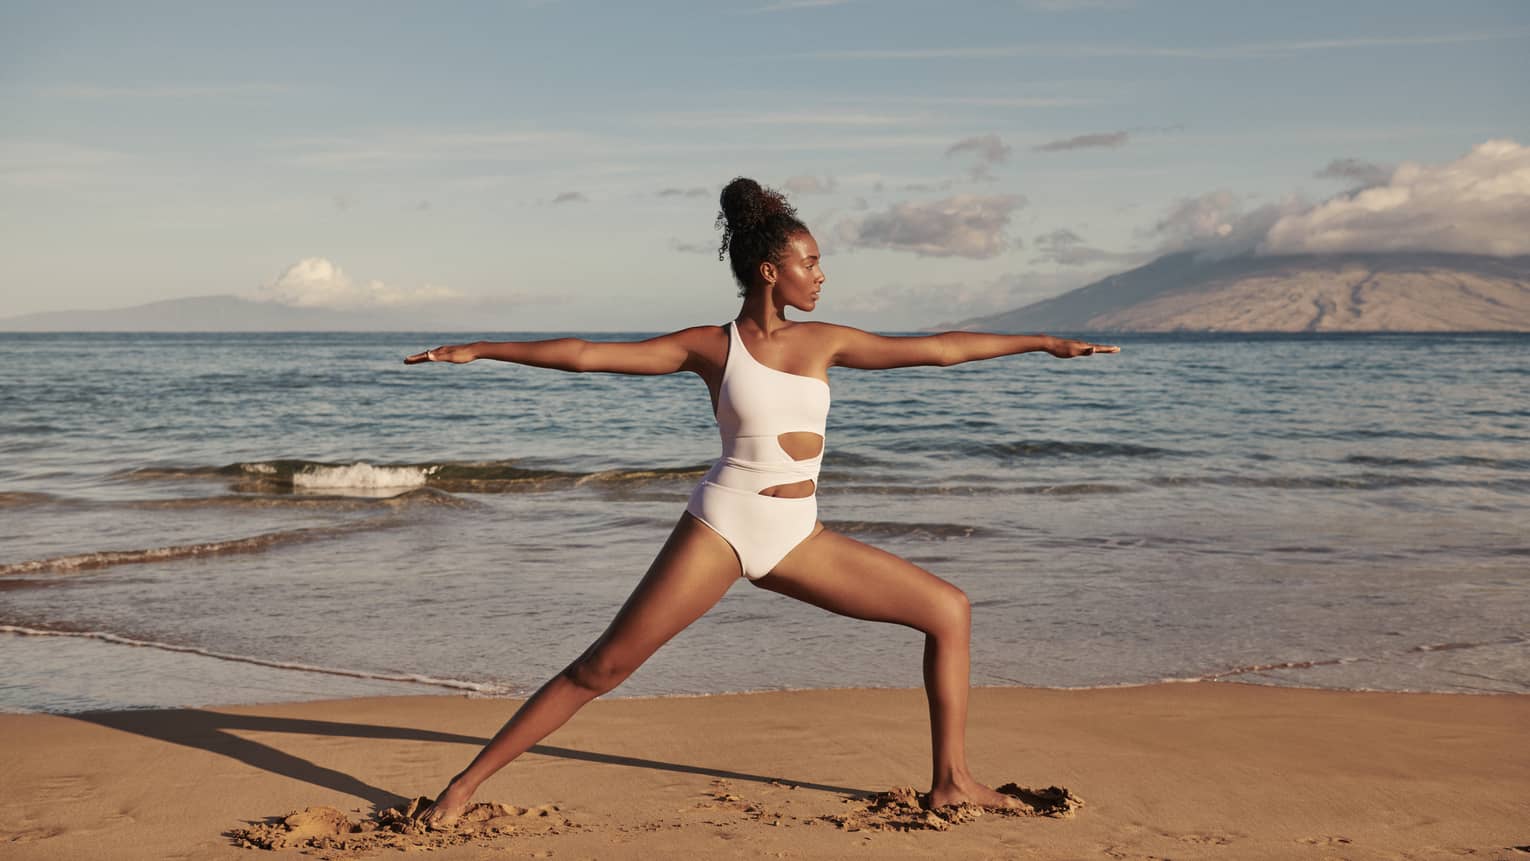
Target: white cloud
{"x":1238,"y":51}
{"x":1217,"y":223}
{"x":966,"y":225}
{"x":315,"y":282}
{"x":1477,"y":204}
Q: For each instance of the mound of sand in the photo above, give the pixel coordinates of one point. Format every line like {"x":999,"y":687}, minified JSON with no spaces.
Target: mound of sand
{"x":337,"y":835}
{"x":904,"y":809}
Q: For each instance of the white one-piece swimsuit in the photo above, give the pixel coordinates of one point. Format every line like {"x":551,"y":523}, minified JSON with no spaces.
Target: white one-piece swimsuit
{"x":755,"y":406}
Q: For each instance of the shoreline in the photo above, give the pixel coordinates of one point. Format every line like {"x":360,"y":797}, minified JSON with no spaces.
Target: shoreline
{"x":174,"y":672}
{"x":1178,"y":770}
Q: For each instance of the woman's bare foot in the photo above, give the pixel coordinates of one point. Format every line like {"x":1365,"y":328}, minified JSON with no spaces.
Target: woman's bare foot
{"x":969,"y":791}
{"x":448,"y":806}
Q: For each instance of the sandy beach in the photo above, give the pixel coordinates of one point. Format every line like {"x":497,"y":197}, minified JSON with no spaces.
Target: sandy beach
{"x":1181,"y":771}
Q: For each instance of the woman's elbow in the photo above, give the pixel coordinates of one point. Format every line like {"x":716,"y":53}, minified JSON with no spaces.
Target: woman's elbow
{"x":578,"y":355}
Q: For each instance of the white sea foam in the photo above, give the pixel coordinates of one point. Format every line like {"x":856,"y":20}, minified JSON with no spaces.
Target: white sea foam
{"x":360,"y":476}
{"x":482,"y":688}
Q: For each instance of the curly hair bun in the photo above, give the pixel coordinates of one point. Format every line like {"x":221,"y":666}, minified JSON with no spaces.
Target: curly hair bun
{"x":746,"y":205}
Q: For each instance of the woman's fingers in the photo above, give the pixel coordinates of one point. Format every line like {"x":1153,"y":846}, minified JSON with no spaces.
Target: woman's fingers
{"x":1074,"y":349}
{"x":455,"y":353}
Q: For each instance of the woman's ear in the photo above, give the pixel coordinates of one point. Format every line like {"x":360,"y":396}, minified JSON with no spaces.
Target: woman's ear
{"x":768,"y":272}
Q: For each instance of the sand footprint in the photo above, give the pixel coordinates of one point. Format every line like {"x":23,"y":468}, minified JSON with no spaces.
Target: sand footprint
{"x":1325,"y":840}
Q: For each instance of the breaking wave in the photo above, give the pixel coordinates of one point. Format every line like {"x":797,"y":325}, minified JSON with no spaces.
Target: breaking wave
{"x":926,"y":531}
{"x":478,"y":477}
{"x":251,"y":544}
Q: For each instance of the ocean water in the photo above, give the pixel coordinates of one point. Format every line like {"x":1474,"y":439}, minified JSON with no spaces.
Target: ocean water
{"x":198,"y":519}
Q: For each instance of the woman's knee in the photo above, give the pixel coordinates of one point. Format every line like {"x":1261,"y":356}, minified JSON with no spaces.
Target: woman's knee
{"x":952,"y":613}
{"x":598,"y":671}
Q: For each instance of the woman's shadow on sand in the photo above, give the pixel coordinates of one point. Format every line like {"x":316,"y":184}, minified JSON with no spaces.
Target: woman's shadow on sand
{"x":211,"y":731}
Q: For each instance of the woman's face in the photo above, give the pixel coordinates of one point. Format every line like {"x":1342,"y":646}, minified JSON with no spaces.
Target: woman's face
{"x":799,"y":278}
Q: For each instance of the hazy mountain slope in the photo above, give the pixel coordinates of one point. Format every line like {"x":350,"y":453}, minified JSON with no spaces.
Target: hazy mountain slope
{"x":1351,"y":292}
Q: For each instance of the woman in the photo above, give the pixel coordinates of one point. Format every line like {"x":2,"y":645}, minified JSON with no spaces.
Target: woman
{"x":755,"y":512}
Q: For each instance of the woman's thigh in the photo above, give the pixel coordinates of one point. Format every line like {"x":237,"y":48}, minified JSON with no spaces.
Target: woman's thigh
{"x":689,"y":576}
{"x":842,"y":575}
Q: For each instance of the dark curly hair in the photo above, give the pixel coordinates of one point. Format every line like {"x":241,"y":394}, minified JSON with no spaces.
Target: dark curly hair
{"x":757,"y":223}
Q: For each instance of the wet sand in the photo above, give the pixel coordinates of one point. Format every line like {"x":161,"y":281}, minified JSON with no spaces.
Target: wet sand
{"x":1183,"y":771}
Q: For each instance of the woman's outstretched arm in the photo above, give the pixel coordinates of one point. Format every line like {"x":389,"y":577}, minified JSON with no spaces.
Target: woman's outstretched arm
{"x":665,"y":354}
{"x":855,"y":348}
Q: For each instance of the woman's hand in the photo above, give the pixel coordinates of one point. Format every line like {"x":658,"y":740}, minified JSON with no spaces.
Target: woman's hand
{"x":1063,"y":348}
{"x":456,"y":354}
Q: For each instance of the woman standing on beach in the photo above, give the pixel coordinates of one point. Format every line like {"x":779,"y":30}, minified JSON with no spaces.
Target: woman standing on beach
{"x":755,"y":512}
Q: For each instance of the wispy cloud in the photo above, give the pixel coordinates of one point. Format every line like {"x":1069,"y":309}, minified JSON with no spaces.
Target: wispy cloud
{"x":828,"y":118}
{"x":684,"y":247}
{"x":806,"y":184}
{"x":1063,"y":247}
{"x":1077,"y":5}
{"x":790,"y":5}
{"x":1097,"y":140}
{"x":392,"y":149}
{"x":54,"y":164}
{"x":1246,"y":50}
{"x":988,"y":150}
{"x":397,"y":147}
{"x":570,"y":197}
{"x":1005,"y":101}
{"x":1366,"y":173}
{"x":157,"y":91}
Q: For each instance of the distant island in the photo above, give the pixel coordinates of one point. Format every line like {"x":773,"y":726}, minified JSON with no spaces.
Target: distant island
{"x":1374,"y":292}
{"x":1181,"y":292}
{"x":228,"y":313}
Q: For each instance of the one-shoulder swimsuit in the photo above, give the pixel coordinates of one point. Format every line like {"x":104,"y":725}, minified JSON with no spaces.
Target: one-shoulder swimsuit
{"x":757,"y":404}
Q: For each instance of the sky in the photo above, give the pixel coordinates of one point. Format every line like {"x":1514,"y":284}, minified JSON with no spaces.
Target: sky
{"x":559,"y":161}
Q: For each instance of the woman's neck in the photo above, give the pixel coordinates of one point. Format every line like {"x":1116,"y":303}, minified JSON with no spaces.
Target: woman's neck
{"x":760,"y":308}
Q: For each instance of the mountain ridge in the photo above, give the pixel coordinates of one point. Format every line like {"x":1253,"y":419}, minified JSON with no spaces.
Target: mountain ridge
{"x":1352,"y":292}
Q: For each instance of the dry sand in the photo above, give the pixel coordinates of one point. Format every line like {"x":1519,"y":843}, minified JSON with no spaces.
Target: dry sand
{"x":1180,"y":771}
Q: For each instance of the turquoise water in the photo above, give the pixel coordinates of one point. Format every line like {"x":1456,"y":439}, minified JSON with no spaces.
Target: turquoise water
{"x":193,"y":519}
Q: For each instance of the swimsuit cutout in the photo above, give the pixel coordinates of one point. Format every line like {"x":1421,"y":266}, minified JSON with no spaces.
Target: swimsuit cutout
{"x":756,"y":404}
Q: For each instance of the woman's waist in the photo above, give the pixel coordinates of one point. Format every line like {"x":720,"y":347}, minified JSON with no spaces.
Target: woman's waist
{"x":754,"y":476}
{"x":775,"y":451}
